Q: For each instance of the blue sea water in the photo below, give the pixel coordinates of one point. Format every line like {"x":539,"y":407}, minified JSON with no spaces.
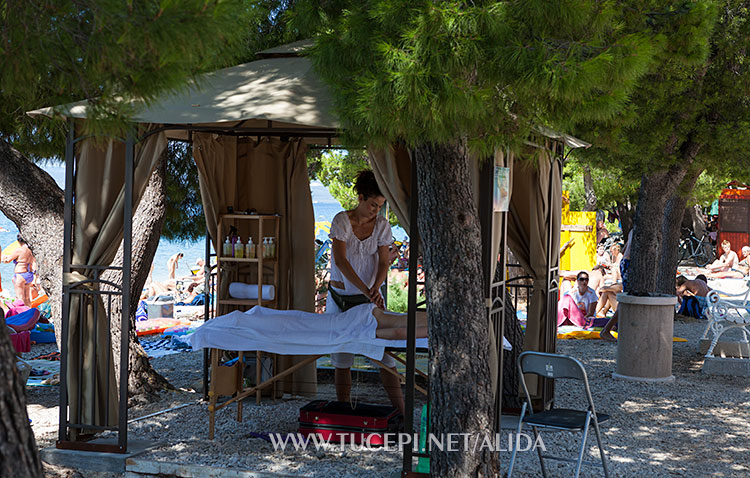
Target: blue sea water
{"x":324,"y":206}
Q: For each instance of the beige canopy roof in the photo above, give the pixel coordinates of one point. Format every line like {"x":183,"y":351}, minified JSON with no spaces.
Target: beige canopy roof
{"x":278,"y":92}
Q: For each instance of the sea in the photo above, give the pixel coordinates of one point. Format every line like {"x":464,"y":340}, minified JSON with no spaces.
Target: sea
{"x":325,"y":207}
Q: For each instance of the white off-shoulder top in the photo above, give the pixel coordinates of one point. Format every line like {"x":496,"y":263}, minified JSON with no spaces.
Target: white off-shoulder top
{"x":361,"y":254}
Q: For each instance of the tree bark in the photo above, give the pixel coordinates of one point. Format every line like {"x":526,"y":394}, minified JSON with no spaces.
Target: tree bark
{"x":671,"y":222}
{"x":144,"y":383}
{"x":19,"y":455}
{"x":656,"y":189}
{"x":458,"y":329}
{"x":32,"y":200}
{"x":588,"y":189}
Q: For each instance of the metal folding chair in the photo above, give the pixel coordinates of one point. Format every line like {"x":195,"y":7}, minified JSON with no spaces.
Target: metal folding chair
{"x":556,"y":366}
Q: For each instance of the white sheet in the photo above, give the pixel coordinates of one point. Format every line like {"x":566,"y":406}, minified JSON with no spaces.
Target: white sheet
{"x":293,"y":332}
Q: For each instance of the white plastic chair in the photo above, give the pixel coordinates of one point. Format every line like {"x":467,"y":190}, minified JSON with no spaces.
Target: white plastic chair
{"x":556,"y":366}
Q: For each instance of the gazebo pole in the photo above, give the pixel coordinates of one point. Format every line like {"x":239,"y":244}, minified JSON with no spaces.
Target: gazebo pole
{"x":411,"y":323}
{"x":127,"y":244}
{"x":67,"y":243}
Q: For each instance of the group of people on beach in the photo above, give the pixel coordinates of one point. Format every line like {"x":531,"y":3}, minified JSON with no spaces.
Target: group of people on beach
{"x":176,"y":287}
{"x":594,"y":294}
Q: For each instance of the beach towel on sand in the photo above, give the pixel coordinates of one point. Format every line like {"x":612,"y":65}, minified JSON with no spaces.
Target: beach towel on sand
{"x":24,"y":321}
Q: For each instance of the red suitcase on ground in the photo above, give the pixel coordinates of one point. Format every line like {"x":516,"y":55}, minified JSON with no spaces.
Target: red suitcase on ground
{"x":339,"y":421}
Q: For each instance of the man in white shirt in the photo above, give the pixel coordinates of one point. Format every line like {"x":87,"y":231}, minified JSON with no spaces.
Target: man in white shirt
{"x":578,"y":304}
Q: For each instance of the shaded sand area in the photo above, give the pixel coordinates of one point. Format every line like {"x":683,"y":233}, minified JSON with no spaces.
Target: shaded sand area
{"x":697,"y":426}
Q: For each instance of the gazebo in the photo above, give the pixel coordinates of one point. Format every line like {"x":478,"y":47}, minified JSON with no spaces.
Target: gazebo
{"x":250,"y":126}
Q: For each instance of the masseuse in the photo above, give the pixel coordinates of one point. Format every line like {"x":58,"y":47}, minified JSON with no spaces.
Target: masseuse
{"x":361,"y":242}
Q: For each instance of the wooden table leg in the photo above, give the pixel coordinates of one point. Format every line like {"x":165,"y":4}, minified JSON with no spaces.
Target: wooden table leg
{"x":240,"y":380}
{"x":212,"y":394}
{"x":258,"y":374}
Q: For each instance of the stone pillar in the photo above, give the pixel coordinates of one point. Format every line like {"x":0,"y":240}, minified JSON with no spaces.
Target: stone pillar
{"x":644,"y":339}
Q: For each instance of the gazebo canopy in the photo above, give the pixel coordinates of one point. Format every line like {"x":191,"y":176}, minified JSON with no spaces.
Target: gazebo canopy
{"x":281,"y":91}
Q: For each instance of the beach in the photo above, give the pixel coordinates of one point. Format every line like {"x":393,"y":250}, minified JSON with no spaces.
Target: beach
{"x":696,"y":426}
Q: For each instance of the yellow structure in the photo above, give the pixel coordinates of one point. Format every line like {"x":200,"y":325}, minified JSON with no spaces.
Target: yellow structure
{"x":580,"y":227}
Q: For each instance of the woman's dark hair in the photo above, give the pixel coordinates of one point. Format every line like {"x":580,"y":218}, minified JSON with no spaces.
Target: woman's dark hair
{"x":366,"y":185}
{"x":20,"y":239}
{"x":578,"y":276}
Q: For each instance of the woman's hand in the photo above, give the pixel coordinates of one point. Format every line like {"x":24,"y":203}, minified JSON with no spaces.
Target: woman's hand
{"x":375,"y":297}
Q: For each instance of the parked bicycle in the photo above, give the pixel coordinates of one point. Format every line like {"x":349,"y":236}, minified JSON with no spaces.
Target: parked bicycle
{"x":698,"y":249}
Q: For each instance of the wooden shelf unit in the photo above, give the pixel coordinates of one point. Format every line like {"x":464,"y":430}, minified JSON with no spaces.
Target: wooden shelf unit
{"x":259,"y":271}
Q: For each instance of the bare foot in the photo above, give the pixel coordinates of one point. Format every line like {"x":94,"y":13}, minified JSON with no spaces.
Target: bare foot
{"x":607,"y":336}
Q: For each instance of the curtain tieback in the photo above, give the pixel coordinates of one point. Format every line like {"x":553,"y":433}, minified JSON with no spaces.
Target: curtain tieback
{"x":74,"y":278}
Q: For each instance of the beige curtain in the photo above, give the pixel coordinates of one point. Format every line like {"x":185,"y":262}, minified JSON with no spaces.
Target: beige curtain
{"x":99,"y":200}
{"x":527,"y":226}
{"x":528,"y":235}
{"x":392,"y":168}
{"x":269,"y":176}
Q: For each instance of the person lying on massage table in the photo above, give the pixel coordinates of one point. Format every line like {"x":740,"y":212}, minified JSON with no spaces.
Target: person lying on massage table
{"x":283,"y":330}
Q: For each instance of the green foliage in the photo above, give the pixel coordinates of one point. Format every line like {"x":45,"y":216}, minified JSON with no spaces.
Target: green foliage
{"x":398,"y":295}
{"x":420,"y":71}
{"x":111,"y":52}
{"x":336,"y":169}
{"x":694,"y":96}
{"x":184,"y":219}
{"x":611,"y":185}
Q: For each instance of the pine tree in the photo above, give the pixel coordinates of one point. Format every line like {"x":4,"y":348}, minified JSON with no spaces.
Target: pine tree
{"x":54,"y":52}
{"x":450,"y":78}
{"x":687,"y":115}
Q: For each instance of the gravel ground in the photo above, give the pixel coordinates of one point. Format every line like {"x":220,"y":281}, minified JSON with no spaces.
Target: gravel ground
{"x":697,"y":426}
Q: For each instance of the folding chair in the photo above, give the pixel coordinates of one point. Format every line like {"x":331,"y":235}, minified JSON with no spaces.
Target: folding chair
{"x":556,"y":366}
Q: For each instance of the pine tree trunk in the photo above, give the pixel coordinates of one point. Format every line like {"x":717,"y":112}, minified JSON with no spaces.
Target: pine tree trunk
{"x":588,"y":189}
{"x":656,"y":189}
{"x":19,"y":456}
{"x":671,"y":223}
{"x":460,"y":385}
{"x":32,"y":200}
{"x":144,"y":382}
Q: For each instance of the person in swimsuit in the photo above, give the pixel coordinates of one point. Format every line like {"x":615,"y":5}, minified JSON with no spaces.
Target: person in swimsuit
{"x":23,"y":272}
{"x":172,"y":264}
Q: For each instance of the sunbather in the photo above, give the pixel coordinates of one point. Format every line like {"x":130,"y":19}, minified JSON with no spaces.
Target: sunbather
{"x":606,"y":333}
{"x":578,"y":304}
{"x":739,"y":271}
{"x":692,"y":296}
{"x":727,"y":261}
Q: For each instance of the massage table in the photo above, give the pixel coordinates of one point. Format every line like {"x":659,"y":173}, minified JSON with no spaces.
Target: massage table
{"x":287,"y":332}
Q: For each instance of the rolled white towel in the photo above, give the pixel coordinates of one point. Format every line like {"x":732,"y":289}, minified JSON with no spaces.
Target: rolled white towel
{"x":239,"y":290}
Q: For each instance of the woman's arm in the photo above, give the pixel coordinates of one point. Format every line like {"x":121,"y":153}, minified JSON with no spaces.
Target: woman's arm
{"x":12,"y":256}
{"x":733,"y":260}
{"x":592,"y":310}
{"x":384,"y":261}
{"x":339,"y":256}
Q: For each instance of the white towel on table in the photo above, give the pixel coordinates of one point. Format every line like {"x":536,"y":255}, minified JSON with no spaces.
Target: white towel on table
{"x":294,"y":332}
